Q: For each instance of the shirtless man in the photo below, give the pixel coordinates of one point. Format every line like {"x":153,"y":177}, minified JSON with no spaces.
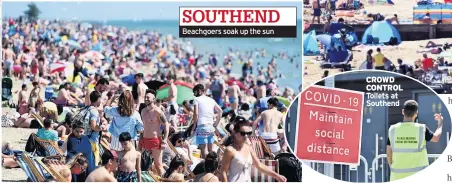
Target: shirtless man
{"x":22,"y":103}
{"x":233,"y":94}
{"x":173,"y":108}
{"x":261,"y":89}
{"x":129,"y":160}
{"x":65,"y":95}
{"x":271,"y":118}
{"x":105,"y":173}
{"x":8,"y":55}
{"x":151,"y":139}
{"x":141,"y":88}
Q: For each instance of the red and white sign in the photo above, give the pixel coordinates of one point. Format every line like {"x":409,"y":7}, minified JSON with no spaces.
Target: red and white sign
{"x":329,"y":125}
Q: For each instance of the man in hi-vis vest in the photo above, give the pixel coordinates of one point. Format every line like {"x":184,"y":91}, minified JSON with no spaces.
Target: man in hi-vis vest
{"x":406,"y":147}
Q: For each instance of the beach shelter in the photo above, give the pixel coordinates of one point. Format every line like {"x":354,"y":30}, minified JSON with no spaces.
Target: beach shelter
{"x":184,"y":91}
{"x":380,"y":32}
{"x":310,"y":46}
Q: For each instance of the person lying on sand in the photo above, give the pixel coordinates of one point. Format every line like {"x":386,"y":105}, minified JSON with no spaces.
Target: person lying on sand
{"x":8,"y":157}
{"x":393,"y":19}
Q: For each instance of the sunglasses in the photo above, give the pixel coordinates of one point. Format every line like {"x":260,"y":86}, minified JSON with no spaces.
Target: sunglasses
{"x":180,"y":141}
{"x":245,"y":133}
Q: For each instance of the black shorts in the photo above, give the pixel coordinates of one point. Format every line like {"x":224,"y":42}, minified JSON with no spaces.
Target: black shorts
{"x":380,"y":68}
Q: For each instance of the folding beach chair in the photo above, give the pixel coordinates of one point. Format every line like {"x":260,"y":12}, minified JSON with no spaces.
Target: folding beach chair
{"x":38,"y":118}
{"x":104,"y":145}
{"x":51,"y":147}
{"x":184,"y":122}
{"x":52,"y":171}
{"x":147,"y":176}
{"x":190,"y":173}
{"x":31,"y":168}
{"x":257,"y":176}
{"x":261,"y":148}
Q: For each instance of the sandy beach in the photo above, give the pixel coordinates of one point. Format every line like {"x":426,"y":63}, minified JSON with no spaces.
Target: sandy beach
{"x":403,"y":9}
{"x":407,"y":51}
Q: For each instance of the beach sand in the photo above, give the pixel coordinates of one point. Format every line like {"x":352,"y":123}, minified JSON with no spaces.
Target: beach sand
{"x":17,"y":137}
{"x":407,"y":51}
{"x":403,"y":9}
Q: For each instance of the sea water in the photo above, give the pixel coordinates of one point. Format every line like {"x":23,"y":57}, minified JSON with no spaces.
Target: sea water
{"x":292,"y":74}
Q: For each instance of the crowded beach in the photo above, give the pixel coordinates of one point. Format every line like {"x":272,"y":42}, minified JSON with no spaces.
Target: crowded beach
{"x":99,"y":103}
{"x":337,"y":48}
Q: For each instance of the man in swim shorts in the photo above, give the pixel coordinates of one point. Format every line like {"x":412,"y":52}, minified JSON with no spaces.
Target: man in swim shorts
{"x":151,"y":139}
{"x":317,"y":10}
{"x":233,"y":94}
{"x":203,"y":119}
{"x":272,"y":118}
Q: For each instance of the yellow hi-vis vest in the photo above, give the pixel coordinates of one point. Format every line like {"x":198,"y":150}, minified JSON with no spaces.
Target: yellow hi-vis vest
{"x":409,"y":153}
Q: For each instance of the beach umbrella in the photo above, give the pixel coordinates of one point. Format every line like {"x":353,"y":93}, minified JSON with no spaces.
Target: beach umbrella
{"x":57,"y":67}
{"x":184,"y":91}
{"x":154,"y":84}
{"x":239,"y":83}
{"x":94,"y":55}
{"x":284,"y":100}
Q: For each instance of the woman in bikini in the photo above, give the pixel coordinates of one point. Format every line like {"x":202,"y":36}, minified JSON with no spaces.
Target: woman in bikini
{"x":239,"y":158}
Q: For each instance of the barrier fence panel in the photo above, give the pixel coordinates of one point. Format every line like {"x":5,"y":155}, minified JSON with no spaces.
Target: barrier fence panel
{"x":380,"y":164}
{"x":348,"y":173}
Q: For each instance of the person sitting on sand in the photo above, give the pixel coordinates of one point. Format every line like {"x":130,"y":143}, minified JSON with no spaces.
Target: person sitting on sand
{"x":8,"y":157}
{"x":176,"y":170}
{"x":64,"y":96}
{"x":210,"y":167}
{"x":66,"y":127}
{"x":47,"y":133}
{"x":393,"y":19}
{"x":427,"y":19}
{"x":105,"y":172}
{"x":427,"y":63}
{"x":184,"y":150}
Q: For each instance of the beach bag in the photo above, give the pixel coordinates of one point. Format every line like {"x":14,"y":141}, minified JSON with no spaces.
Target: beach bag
{"x":83,"y":117}
{"x":146,"y":161}
{"x":289,"y":167}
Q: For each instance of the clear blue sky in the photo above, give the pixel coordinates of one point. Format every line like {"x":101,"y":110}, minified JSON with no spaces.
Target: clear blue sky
{"x":122,"y":10}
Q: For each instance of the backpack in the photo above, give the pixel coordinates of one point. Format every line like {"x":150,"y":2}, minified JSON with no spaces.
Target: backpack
{"x":289,"y":167}
{"x":83,"y":117}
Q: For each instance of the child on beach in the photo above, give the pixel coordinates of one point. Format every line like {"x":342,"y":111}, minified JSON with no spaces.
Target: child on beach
{"x":129,"y":160}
